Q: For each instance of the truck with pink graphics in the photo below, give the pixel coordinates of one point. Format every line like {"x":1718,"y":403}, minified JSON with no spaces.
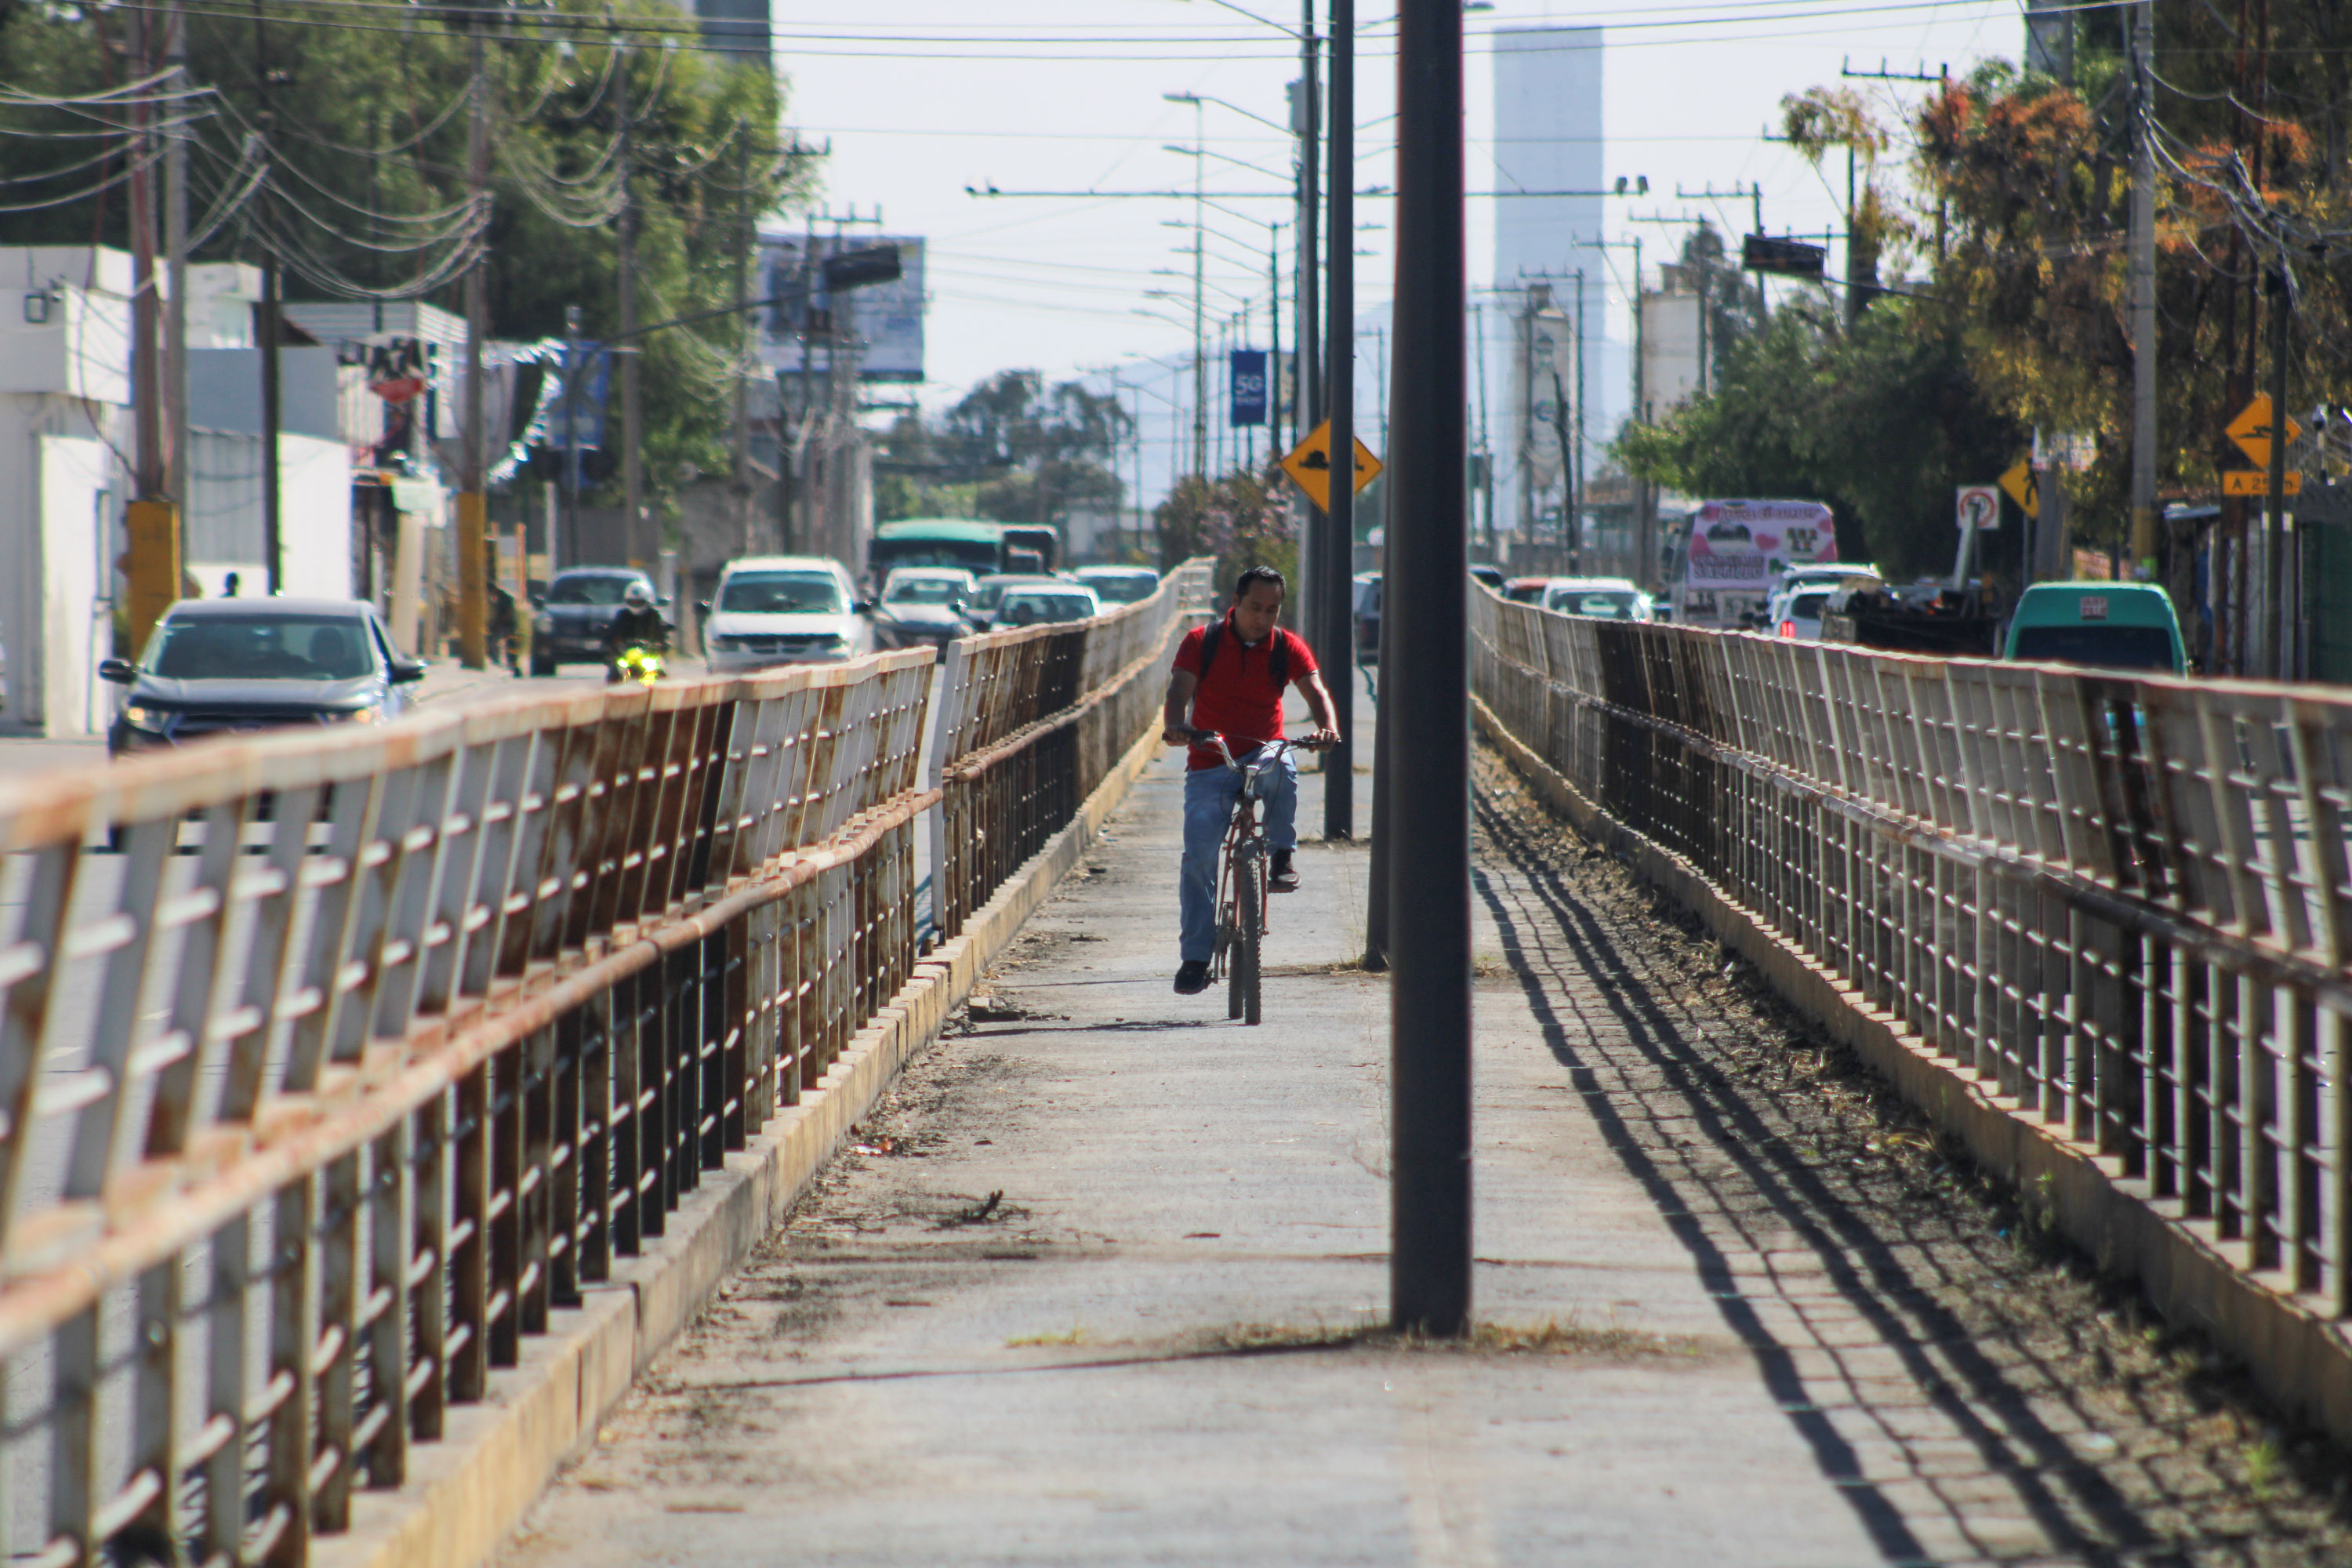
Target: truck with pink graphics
{"x":1731,"y":554}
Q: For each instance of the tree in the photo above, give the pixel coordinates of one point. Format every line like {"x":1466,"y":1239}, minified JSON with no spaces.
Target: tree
{"x":360,"y":126}
{"x":1012,"y":450}
{"x":1240,"y":519}
{"x":1881,"y":420}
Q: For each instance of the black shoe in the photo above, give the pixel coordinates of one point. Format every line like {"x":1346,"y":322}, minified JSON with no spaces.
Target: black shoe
{"x":1284,"y":877}
{"x":1193,"y":977}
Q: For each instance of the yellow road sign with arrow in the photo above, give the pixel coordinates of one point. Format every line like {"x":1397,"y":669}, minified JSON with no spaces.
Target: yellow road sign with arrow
{"x":1309,"y":465}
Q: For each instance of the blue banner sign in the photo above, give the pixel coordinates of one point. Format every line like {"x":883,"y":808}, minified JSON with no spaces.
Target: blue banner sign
{"x":1248,"y":384}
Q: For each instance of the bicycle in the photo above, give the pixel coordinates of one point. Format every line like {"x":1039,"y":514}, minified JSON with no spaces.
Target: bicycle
{"x":1241,"y":869}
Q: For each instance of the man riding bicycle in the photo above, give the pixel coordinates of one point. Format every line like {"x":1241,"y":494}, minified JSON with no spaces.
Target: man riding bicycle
{"x":1230,"y":676}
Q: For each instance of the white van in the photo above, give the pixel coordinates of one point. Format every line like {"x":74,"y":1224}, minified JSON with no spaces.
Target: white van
{"x":784,"y":609}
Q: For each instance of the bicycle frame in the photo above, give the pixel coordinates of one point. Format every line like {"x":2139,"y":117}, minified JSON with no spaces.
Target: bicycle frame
{"x":1245,"y":839}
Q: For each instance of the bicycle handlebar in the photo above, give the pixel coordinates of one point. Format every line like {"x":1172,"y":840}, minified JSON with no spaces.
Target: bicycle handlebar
{"x":1278,"y":746}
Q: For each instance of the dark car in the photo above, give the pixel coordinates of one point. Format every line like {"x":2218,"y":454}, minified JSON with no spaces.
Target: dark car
{"x":218,"y":666}
{"x":575,"y":612}
{"x":1490,"y":575}
{"x":923,"y":606}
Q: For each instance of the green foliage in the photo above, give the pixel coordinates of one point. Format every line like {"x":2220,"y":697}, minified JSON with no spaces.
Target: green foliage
{"x":364,"y":125}
{"x":1014,"y":450}
{"x":1243,"y":519}
{"x":1881,"y":422}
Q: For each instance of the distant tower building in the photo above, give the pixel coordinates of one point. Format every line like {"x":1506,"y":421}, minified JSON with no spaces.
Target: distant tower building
{"x":1547,"y":138}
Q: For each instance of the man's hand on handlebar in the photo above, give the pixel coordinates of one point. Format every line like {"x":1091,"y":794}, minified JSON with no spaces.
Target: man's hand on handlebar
{"x":1322,"y":740}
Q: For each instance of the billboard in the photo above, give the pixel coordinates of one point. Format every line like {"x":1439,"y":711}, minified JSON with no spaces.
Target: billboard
{"x":1245,"y":380}
{"x":884,"y":320}
{"x":1741,"y":545}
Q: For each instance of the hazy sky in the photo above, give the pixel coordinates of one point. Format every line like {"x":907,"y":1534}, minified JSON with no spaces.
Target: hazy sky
{"x":921,"y":97}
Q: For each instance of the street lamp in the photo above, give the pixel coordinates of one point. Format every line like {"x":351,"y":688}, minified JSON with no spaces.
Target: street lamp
{"x":1200,"y":340}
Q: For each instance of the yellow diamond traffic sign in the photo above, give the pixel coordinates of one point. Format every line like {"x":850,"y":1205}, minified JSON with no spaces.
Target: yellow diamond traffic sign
{"x":2024,"y":488}
{"x":2252,"y":431}
{"x":1309,"y":465}
{"x":2256,"y":482}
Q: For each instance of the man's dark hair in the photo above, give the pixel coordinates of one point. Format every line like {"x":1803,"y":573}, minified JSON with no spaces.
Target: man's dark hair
{"x":1259,"y":574}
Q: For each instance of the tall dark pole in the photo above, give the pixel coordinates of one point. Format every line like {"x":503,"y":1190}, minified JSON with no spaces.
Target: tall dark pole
{"x":1426,"y":683}
{"x":1309,"y":379}
{"x":1332,"y":608}
{"x":2278,"y":594}
{"x":273,"y":550}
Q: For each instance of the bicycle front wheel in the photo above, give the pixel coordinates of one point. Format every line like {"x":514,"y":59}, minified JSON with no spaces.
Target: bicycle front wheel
{"x":1249,"y":912}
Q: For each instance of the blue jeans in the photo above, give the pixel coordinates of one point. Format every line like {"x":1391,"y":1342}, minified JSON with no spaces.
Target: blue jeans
{"x":1209,"y":796}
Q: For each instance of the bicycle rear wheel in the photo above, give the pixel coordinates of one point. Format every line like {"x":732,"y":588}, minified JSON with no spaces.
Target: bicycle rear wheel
{"x":1249,"y":900}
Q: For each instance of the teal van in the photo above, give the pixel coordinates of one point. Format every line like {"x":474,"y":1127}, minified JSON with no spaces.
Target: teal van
{"x":2108,"y":626}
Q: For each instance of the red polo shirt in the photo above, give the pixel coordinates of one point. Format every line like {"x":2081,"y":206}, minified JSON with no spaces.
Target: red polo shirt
{"x":1238,"y":699}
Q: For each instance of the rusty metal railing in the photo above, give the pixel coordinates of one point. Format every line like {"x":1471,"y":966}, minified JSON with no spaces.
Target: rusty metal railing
{"x":371,"y":1046}
{"x":1030,"y":721}
{"x":2126,"y":903}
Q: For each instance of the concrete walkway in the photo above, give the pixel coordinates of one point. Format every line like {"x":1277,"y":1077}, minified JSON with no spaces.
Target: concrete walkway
{"x":1094,"y":1286}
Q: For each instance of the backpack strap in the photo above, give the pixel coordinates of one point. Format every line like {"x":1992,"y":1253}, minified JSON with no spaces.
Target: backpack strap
{"x":1277,"y":658}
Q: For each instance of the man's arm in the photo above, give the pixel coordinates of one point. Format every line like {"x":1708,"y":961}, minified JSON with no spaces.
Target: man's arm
{"x":1319,"y":703}
{"x":1177,"y":712}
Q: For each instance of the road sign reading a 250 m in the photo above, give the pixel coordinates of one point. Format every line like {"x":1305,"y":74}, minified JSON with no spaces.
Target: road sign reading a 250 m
{"x":1978,"y":507}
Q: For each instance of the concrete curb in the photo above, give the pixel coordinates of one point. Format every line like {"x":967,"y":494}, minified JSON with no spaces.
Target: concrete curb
{"x":2299,"y":1356}
{"x":467,"y":1491}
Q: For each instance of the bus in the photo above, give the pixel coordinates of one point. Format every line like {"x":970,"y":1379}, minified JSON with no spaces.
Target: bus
{"x":980,"y":548}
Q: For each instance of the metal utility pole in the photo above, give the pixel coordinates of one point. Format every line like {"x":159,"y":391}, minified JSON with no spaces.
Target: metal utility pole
{"x":1332,"y":607}
{"x":2143,"y":291}
{"x":1305,"y":112}
{"x":632,"y":477}
{"x":273,"y":550}
{"x":1274,"y":447}
{"x":2278,"y":582}
{"x":149,"y":520}
{"x":573,"y":370}
{"x":1200,"y":331}
{"x":1576,"y":456}
{"x":473,"y":504}
{"x":179,"y":464}
{"x":1427,"y":688}
{"x":743,"y":249}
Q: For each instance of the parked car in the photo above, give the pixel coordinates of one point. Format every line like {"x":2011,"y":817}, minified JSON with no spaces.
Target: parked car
{"x":784,"y":609}
{"x":1035,"y":605}
{"x":2108,"y":626}
{"x":1492,"y":576}
{"x":1119,"y":584}
{"x":991,"y":589}
{"x":573,"y":617}
{"x":217,"y":666}
{"x":1526,"y":590}
{"x":1606,"y":598}
{"x":924,"y":607}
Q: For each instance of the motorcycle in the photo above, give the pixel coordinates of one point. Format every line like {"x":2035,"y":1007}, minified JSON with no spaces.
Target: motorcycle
{"x":638,"y":663}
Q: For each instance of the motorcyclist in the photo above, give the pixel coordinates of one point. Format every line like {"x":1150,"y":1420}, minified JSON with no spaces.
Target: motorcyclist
{"x":639,"y":625}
